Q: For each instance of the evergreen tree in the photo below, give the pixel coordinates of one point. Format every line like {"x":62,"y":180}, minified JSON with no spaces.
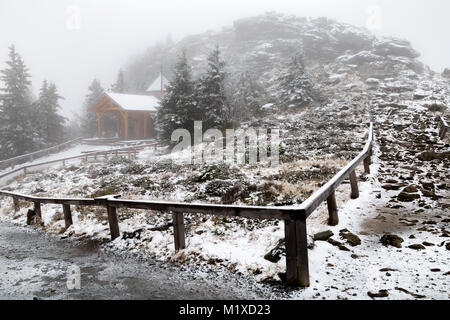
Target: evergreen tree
{"x":177,"y":106}
{"x":247,"y":97}
{"x":296,"y":86}
{"x":89,"y":120}
{"x":17,"y":129}
{"x":210,"y":93}
{"x":120,"y":86}
{"x":51,"y":124}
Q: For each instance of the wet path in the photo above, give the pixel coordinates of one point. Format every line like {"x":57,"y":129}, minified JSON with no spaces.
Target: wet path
{"x":34,"y":265}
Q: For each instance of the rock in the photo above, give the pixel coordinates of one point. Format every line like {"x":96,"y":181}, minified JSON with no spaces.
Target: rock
{"x":446,"y":73}
{"x":417,"y":247}
{"x":391,"y":240}
{"x":447,"y":246}
{"x":351,"y":238}
{"x":379,"y":294}
{"x":435,"y":270}
{"x":31,"y":215}
{"x":395,"y":47}
{"x":338,"y":244}
{"x":388,"y":269}
{"x":407,"y":197}
{"x":323,"y":236}
{"x":415,"y":295}
{"x":430,"y":156}
{"x":428,"y":244}
{"x":411,"y":189}
{"x":427,"y":185}
{"x":391,"y":187}
{"x":162,"y":228}
{"x":276,"y":253}
{"x":132,"y":235}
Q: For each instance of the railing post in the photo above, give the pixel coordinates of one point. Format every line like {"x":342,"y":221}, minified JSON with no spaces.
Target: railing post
{"x":67,"y":215}
{"x":442,"y":131}
{"x":16,"y":204}
{"x":113,"y":222}
{"x":37,"y":210}
{"x":332,"y":210}
{"x":178,"y":231}
{"x":354,"y":185}
{"x":297,"y":269}
{"x":367,"y":164}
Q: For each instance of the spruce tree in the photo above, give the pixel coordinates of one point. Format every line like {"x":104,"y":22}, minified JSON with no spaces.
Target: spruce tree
{"x":210,"y":92}
{"x":177,"y":106}
{"x":247,"y":97}
{"x":296,"y":87}
{"x":18,"y":130}
{"x":89,"y":119}
{"x":120,"y":86}
{"x":51,"y":124}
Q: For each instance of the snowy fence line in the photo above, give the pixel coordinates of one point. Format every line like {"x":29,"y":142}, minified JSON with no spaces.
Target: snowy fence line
{"x":97,"y":155}
{"x":443,"y":127}
{"x":12,"y":162}
{"x":297,"y":267}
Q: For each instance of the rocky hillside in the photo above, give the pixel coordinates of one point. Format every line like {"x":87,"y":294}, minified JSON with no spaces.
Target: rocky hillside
{"x":263,"y":44}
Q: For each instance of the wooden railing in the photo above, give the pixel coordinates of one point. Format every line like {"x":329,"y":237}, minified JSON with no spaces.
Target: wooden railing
{"x":443,"y":127}
{"x":97,"y":155}
{"x":297,"y":267}
{"x":34,"y":155}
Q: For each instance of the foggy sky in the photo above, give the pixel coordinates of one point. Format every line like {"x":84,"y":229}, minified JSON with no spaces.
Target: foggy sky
{"x":111,"y":31}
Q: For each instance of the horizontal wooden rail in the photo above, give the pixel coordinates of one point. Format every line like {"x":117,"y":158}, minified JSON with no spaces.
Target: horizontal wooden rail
{"x":328,"y":189}
{"x":34,"y":155}
{"x":129,"y":151}
{"x":294,"y":217}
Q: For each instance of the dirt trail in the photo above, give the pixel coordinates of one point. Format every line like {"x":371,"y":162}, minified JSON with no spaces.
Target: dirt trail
{"x":34,"y":265}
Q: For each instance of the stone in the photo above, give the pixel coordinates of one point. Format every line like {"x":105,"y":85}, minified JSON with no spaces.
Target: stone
{"x":277,"y":252}
{"x":391,"y":187}
{"x":411,"y":189}
{"x":428,"y":244}
{"x":446,"y":73}
{"x":338,"y":244}
{"x":351,"y":238}
{"x":31,"y":215}
{"x":323,"y":236}
{"x":417,"y":247}
{"x":387,"y":269}
{"x":132,"y":235}
{"x":391,"y":240}
{"x":427,"y":185}
{"x":407,"y":197}
{"x":430,"y":156}
{"x":379,"y":294}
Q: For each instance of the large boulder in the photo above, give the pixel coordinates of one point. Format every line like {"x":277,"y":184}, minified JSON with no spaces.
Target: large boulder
{"x":446,"y":73}
{"x":395,"y":47}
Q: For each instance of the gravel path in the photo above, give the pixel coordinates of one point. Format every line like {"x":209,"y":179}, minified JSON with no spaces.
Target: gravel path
{"x":34,"y":265}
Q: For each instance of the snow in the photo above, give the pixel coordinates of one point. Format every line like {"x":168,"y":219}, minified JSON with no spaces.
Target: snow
{"x":156,"y":85}
{"x":133,"y":102}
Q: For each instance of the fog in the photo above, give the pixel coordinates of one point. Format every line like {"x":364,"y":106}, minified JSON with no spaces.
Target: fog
{"x":58,"y":46}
